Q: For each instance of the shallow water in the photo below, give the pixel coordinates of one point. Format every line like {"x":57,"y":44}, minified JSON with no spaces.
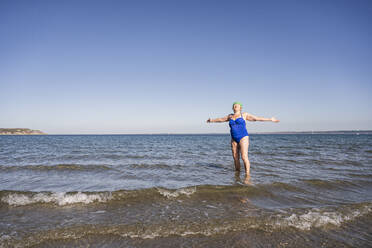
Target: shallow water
{"x":181,"y":190}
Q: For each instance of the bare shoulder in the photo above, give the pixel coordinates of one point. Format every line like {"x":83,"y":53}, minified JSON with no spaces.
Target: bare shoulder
{"x":245,"y":115}
{"x":248,"y":116}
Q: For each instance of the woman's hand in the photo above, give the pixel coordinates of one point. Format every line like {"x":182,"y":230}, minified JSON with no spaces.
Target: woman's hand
{"x":273,"y":119}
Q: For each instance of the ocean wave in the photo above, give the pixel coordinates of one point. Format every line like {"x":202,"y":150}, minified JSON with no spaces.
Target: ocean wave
{"x":58,"y":198}
{"x":155,"y":194}
{"x":273,"y":192}
{"x":22,"y":198}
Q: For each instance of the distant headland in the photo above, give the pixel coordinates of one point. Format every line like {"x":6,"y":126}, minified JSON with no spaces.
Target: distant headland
{"x":19,"y":131}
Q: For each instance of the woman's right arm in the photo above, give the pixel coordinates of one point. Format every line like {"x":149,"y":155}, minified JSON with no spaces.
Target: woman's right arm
{"x":222,"y":119}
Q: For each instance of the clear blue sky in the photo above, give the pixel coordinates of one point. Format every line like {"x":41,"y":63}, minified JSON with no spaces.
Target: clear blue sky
{"x":167,"y":66}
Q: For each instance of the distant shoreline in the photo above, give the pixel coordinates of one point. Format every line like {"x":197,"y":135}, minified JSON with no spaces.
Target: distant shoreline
{"x":354,"y":132}
{"x":20,"y":131}
{"x":27,"y":131}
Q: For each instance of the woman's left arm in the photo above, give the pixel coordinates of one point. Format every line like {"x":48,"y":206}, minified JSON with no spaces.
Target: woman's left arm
{"x":250,"y":117}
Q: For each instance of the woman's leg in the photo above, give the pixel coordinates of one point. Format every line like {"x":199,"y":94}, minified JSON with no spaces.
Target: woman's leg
{"x":235,"y":154}
{"x":244,"y":144}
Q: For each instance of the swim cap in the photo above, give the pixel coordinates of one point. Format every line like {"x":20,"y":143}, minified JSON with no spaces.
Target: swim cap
{"x":241,"y":105}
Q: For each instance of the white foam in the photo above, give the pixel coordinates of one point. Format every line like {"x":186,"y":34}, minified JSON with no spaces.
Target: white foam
{"x":60,"y":198}
{"x":319,"y":218}
{"x":4,"y":237}
{"x":178,"y":192}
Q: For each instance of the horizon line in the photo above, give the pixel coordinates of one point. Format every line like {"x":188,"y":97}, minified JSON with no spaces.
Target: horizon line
{"x":176,"y":133}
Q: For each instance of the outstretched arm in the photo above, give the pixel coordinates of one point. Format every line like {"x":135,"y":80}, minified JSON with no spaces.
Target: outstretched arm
{"x":222,"y":119}
{"x":250,"y":117}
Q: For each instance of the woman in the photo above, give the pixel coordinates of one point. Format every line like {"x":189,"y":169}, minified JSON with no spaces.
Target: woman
{"x":239,"y":134}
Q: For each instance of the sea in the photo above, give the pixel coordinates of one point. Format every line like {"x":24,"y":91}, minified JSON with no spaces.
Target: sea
{"x":305,"y":190}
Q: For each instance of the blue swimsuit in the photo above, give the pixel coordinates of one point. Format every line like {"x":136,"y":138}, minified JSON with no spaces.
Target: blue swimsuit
{"x":238,"y":129}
